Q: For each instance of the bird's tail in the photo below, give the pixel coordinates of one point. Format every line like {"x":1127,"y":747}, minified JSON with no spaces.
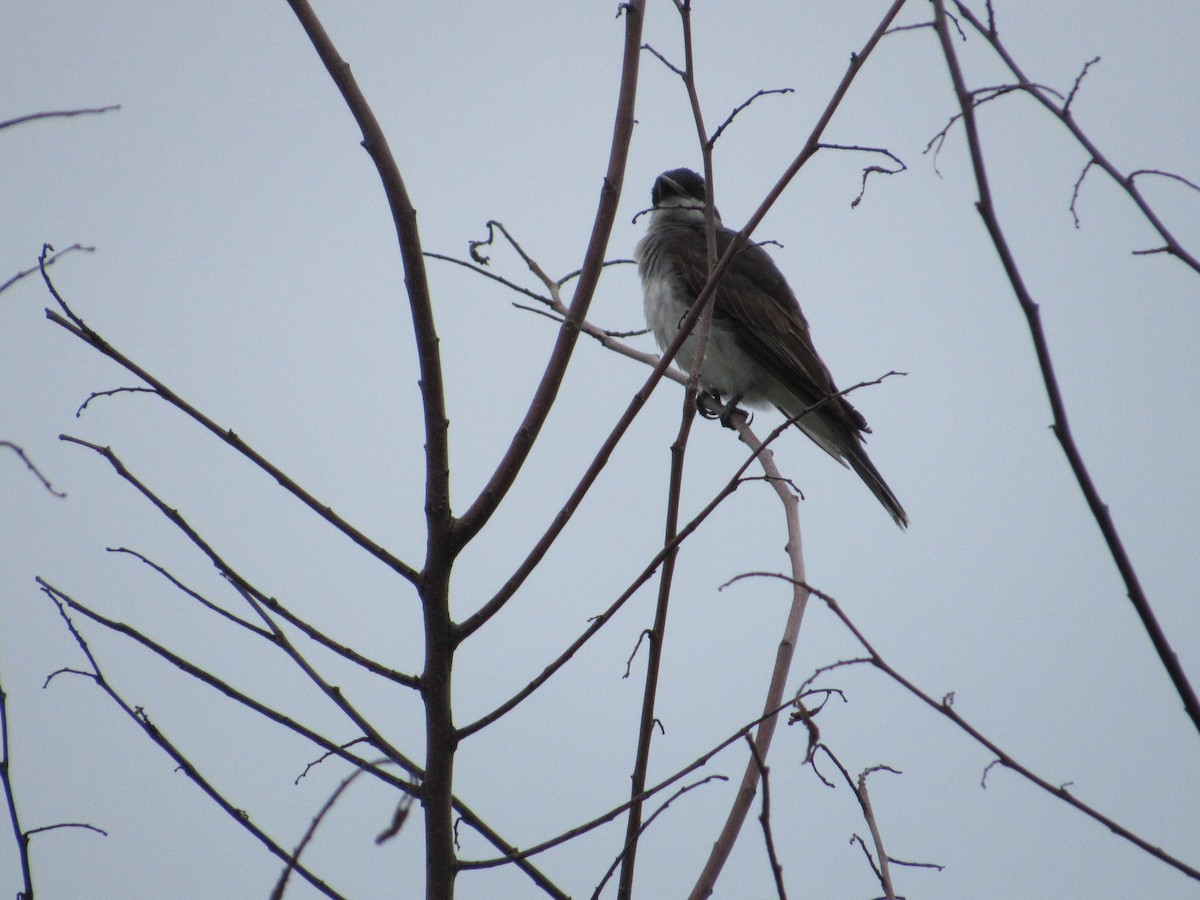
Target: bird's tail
{"x":846,"y":447}
{"x":861,"y":463}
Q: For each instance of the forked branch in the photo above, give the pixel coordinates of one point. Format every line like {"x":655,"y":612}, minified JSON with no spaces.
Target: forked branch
{"x":1061,"y":426}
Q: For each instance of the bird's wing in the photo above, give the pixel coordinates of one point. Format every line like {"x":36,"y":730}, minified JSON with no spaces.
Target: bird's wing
{"x":754,"y":300}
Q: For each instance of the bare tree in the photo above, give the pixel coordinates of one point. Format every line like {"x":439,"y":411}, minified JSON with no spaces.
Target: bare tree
{"x":421,"y":773}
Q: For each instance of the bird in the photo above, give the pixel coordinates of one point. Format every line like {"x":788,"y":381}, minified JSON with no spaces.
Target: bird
{"x":759,"y":349}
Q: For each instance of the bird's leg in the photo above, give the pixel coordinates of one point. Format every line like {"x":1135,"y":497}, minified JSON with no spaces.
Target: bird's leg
{"x":727,"y":411}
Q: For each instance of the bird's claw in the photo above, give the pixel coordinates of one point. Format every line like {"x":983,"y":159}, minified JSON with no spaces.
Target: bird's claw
{"x":710,"y":406}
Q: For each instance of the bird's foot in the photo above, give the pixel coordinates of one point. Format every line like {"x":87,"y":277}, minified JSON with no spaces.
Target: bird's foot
{"x":710,"y":406}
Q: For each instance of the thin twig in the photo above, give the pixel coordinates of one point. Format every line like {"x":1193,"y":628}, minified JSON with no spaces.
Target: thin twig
{"x":712,"y":141}
{"x":111,"y":393}
{"x":1066,"y":107}
{"x":58,"y":114}
{"x":76,"y":326}
{"x":139,"y":717}
{"x":49,"y":261}
{"x":765,"y":819}
{"x":480,"y":270}
{"x":1061,"y":426}
{"x":294,"y":859}
{"x":29,"y":464}
{"x":946,"y":708}
{"x":989,"y":32}
{"x":505,"y":474}
{"x":654,"y":815}
{"x":882,"y":170}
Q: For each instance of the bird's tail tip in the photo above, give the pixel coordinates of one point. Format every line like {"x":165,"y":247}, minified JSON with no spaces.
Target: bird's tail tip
{"x":873,"y":480}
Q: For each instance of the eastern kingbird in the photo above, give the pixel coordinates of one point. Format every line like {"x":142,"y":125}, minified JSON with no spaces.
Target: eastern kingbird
{"x":759,"y":349}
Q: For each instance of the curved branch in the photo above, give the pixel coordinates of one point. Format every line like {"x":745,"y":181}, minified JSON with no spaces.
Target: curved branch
{"x":593,"y":263}
{"x":761,"y":745}
{"x":29,"y":464}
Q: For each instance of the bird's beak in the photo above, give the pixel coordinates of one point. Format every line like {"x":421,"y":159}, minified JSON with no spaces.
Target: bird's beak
{"x":665,"y":187}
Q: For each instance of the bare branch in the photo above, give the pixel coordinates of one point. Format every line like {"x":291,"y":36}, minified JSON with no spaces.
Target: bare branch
{"x":642,"y":829}
{"x":48,"y":261}
{"x":29,"y":464}
{"x":76,"y":326}
{"x":502,"y":479}
{"x":1136,"y":172}
{"x":493,"y":226}
{"x":946,"y":708}
{"x":864,"y":799}
{"x":1171,"y":244}
{"x":20,"y":837}
{"x":1075,"y":190}
{"x":765,"y":819}
{"x":1066,"y":107}
{"x":662,"y":59}
{"x":84,"y":825}
{"x":570,"y":276}
{"x":1061,"y":426}
{"x":915,"y":865}
{"x":404,"y":217}
{"x":142,"y":720}
{"x":478,"y":269}
{"x":712,"y":141}
{"x":58,"y":114}
{"x":110,"y":393}
{"x":87,"y":827}
{"x":294,"y":859}
{"x":723,"y":846}
{"x":328,"y":754}
{"x":915,"y":26}
{"x":979,"y":96}
{"x":879,"y":862}
{"x":883,"y":170}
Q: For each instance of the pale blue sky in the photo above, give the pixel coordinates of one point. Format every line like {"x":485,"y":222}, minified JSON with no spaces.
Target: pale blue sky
{"x":245,"y":256}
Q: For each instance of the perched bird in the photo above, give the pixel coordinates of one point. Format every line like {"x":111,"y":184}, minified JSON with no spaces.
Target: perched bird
{"x":759,"y":350}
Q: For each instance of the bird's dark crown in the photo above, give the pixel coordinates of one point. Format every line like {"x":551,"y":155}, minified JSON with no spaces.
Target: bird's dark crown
{"x":678,"y":184}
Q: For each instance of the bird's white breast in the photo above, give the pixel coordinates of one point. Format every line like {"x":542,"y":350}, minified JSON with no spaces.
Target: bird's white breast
{"x":727,"y":369}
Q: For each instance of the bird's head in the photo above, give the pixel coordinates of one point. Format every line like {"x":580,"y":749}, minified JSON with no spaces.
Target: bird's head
{"x":680,"y":189}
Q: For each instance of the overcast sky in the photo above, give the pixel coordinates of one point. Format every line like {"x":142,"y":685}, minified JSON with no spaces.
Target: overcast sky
{"x":245,"y":256}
